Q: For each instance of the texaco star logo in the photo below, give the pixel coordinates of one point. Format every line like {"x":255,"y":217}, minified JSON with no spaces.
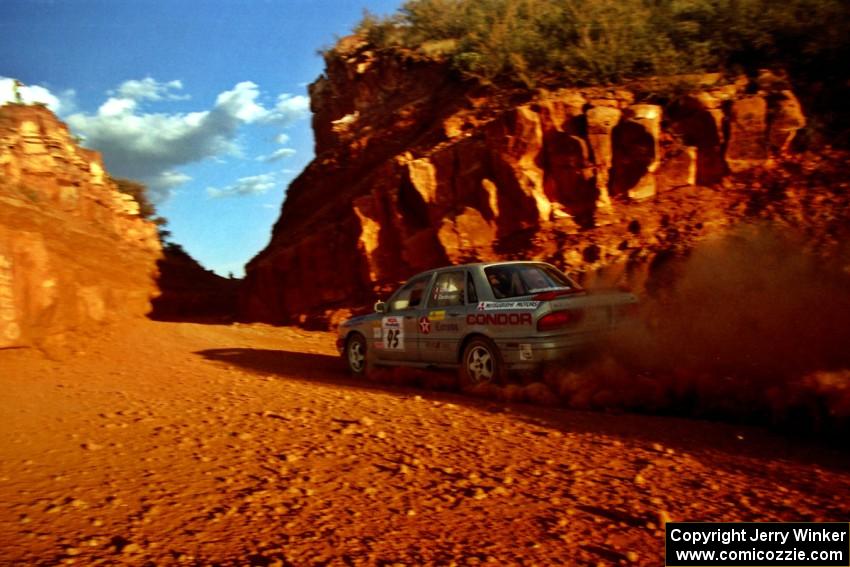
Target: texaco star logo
{"x":424,"y":325}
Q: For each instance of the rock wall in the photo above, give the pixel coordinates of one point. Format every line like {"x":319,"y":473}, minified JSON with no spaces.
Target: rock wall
{"x":74,"y":253}
{"x":189,"y":292}
{"x":415,"y":169}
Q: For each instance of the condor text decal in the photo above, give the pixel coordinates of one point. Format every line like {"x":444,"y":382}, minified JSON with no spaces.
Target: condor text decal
{"x":498,"y":319}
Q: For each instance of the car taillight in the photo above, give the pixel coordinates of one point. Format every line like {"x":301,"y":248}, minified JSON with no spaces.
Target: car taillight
{"x":558,"y":319}
{"x":554,"y":294}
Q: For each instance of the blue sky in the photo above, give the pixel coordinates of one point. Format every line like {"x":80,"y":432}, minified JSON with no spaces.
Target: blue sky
{"x":204,"y":101}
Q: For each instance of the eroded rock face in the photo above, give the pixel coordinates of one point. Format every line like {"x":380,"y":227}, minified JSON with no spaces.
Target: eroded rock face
{"x":417,"y":170}
{"x":188,"y":292}
{"x":74,"y":253}
{"x":747,"y":146}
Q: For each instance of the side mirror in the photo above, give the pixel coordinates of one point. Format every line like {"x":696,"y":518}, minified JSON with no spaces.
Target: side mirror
{"x":380,"y":307}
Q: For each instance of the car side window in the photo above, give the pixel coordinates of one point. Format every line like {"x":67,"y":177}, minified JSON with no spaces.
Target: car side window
{"x":448,"y":289}
{"x":410,"y":295}
{"x":500,"y":281}
{"x":471,"y":292}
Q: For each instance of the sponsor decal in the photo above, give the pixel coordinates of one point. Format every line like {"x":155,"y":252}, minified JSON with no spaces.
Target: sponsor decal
{"x":438,"y":315}
{"x":506,"y":305}
{"x":424,"y":325}
{"x":498,"y":319}
{"x":393,"y":333}
{"x":447,"y":327}
{"x":525,"y":352}
{"x":376,"y":333}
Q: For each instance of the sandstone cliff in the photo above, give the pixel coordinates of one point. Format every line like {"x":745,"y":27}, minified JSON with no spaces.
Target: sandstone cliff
{"x":416,"y":169}
{"x":189,"y":292}
{"x":74,"y":253}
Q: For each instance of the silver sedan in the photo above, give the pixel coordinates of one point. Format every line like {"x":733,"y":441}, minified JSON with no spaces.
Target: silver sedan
{"x":485,"y":319}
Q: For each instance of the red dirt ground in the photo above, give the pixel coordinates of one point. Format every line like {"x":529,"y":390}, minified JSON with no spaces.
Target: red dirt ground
{"x":175,"y":443}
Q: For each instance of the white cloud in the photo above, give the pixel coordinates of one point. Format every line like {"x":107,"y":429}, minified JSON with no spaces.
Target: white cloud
{"x":288,"y":109}
{"x":170,"y":179}
{"x":116,"y":106}
{"x":152,"y":146}
{"x":277,"y":155}
{"x":241,"y":101}
{"x":30,"y":94}
{"x":150,"y":89}
{"x":282,"y":139}
{"x":253,"y":185}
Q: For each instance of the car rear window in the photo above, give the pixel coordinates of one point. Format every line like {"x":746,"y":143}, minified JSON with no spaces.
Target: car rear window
{"x":516,"y":280}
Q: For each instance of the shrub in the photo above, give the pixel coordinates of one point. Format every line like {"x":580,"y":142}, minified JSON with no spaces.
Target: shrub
{"x":606,"y":41}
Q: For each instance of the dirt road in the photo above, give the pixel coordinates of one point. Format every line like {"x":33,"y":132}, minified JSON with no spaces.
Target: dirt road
{"x":189,"y":444}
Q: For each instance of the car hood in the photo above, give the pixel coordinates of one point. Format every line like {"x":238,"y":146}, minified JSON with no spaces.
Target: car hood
{"x":361,"y":319}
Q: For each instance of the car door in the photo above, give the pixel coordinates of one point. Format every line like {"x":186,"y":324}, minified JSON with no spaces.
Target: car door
{"x":400,"y":324}
{"x":444,"y":323}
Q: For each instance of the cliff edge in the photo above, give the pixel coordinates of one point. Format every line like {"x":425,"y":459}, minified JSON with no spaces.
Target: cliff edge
{"x":74,"y":253}
{"x":417,"y":168}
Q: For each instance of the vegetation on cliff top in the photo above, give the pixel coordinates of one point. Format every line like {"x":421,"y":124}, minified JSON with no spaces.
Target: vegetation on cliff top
{"x":147,"y":210}
{"x":608,"y":41}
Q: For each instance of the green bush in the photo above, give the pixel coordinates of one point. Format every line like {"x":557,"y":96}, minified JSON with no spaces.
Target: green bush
{"x":139,"y":192}
{"x":147,"y":210}
{"x":608,"y":41}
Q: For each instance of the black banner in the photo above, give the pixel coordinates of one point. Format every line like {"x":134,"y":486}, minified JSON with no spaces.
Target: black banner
{"x":758,"y":544}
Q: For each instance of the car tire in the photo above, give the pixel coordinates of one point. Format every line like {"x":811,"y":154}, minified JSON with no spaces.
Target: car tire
{"x":481,"y":363}
{"x":356,"y":354}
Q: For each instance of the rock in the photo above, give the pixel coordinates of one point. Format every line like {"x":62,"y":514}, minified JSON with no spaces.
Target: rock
{"x":444,"y":175}
{"x":636,"y":153}
{"x":189,"y":291}
{"x":747,"y":144}
{"x":787,"y":119}
{"x":479,"y":494}
{"x":697,"y":120}
{"x":55,"y":200}
{"x":601,"y":121}
{"x":678,"y":168}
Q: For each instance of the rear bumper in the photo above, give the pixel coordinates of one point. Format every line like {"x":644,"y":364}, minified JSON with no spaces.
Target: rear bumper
{"x":531,"y":352}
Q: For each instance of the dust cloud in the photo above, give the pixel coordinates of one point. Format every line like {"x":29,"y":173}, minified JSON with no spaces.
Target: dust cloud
{"x":753,"y":325}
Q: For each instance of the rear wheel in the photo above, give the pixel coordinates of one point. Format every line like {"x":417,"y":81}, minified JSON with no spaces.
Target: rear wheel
{"x":481,"y":363}
{"x":355,"y":354}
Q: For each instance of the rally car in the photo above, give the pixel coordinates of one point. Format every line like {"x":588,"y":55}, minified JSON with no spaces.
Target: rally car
{"x":485,"y":318}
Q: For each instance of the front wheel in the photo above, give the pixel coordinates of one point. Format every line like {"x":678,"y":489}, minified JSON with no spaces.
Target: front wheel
{"x":481,"y":363}
{"x":355,"y":354}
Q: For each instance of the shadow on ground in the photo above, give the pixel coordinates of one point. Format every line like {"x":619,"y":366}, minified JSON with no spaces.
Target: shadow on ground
{"x":696,"y":437}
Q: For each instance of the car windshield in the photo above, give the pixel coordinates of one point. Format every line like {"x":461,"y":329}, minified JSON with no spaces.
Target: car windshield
{"x":515,"y":280}
{"x":410,"y":295}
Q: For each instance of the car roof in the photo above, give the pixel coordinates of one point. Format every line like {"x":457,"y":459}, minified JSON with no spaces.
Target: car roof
{"x":478,"y":265}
